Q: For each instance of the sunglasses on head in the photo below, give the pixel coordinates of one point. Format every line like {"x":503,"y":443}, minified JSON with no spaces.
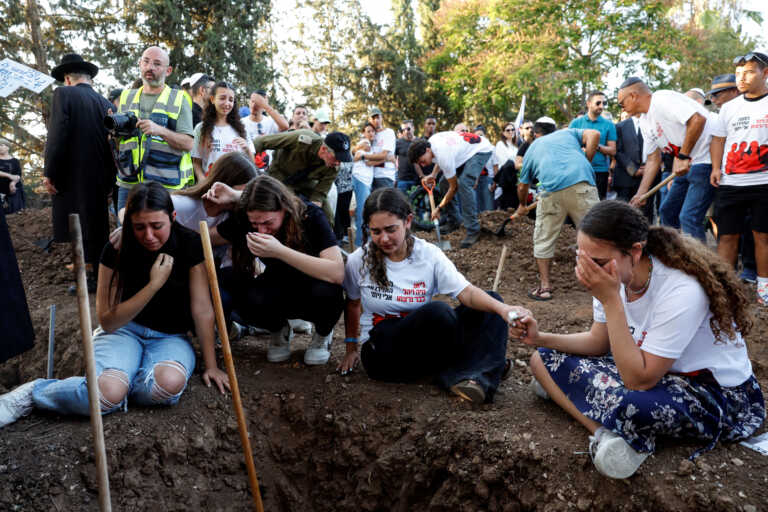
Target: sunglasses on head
{"x":738,"y":61}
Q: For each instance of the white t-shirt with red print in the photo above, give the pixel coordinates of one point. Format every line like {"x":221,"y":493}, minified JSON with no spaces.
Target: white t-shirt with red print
{"x":671,"y":320}
{"x":663,"y":126}
{"x":425,"y":273}
{"x":744,"y":124}
{"x":222,"y":138}
{"x":453,"y":149}
{"x":385,"y":140}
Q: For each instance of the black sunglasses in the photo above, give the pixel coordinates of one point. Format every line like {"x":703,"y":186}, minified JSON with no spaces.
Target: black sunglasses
{"x":601,"y":102}
{"x":738,"y":61}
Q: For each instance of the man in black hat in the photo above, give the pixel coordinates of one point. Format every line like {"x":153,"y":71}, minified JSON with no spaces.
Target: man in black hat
{"x":723,"y":90}
{"x":305,"y":162}
{"x":79,"y":168}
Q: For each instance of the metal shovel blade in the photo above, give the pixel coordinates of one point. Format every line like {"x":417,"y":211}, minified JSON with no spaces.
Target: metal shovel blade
{"x":445,"y":246}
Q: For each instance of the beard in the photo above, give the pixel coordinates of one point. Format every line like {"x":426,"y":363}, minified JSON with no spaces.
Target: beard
{"x":154,"y":81}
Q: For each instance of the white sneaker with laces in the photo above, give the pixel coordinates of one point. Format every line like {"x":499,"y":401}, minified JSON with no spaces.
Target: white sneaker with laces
{"x":613,"y":456}
{"x":301,"y":326}
{"x":279,"y":348}
{"x":17,"y":403}
{"x":319,"y":350}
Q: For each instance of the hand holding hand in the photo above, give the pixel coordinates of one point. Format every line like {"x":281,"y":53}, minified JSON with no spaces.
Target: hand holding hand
{"x":263,"y":245}
{"x":161,"y":270}
{"x":524,"y":328}
{"x":219,"y":377}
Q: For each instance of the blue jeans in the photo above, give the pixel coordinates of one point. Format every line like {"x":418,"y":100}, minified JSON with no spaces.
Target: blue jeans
{"x":122,"y":197}
{"x":405,"y":185}
{"x":687,"y":201}
{"x":134,"y":350}
{"x":381,"y":183}
{"x":483,"y":194}
{"x":472,"y":169}
{"x":362,"y":191}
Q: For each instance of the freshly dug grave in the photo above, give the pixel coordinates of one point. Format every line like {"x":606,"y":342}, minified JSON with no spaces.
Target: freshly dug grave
{"x":325,"y":442}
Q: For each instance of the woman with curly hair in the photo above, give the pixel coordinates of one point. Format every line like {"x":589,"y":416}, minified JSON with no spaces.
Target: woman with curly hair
{"x":302,"y":265}
{"x":221,"y":131}
{"x":665,"y":354}
{"x":405,"y":336}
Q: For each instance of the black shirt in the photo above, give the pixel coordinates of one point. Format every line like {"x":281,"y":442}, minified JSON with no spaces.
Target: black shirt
{"x":523,"y":148}
{"x":168,"y":310}
{"x":405,"y":170}
{"x":197,"y":114}
{"x":318,"y":236}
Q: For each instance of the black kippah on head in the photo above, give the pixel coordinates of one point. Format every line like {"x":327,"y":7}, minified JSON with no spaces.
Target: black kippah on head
{"x":630,"y":81}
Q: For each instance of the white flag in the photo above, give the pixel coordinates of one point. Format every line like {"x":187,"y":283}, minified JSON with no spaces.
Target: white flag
{"x":520,"y":115}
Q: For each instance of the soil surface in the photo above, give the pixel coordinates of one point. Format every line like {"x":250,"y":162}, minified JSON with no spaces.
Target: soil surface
{"x":323,"y":442}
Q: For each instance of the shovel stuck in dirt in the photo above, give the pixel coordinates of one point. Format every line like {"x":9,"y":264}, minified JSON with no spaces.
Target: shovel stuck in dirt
{"x":500,"y":231}
{"x":444,"y":246}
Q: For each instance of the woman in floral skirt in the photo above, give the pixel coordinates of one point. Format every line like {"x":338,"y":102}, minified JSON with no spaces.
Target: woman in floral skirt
{"x":665,"y":354}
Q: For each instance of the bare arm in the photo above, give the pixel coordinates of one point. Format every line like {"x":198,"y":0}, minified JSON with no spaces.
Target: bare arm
{"x":352,"y":312}
{"x":693,"y":128}
{"x":204,"y":318}
{"x":328,"y":266}
{"x":591,"y":139}
{"x":716,"y":150}
{"x":475,"y":298}
{"x":652,"y":166}
{"x":280,"y":121}
{"x":197,"y":165}
{"x":609,"y":149}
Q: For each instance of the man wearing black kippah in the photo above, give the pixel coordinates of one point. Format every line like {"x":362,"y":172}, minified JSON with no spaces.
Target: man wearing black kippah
{"x":673,"y":123}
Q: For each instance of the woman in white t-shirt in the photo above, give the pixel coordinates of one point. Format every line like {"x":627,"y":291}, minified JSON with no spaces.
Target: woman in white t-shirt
{"x":505,"y":180}
{"x":362,"y":177}
{"x":390,"y":282}
{"x":221,"y":131}
{"x":665,"y":354}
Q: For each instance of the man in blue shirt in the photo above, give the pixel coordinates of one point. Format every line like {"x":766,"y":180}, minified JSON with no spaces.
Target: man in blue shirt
{"x":566,"y":188}
{"x":593,"y":120}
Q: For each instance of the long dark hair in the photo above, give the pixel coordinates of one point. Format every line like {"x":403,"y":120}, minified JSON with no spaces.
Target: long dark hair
{"x":622,"y":225}
{"x":266,"y":194}
{"x":150,"y":196}
{"x":209,"y":117}
{"x":389,"y":200}
{"x":232,"y":169}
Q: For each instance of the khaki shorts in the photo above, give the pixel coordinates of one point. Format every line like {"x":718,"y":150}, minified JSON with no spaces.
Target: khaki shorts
{"x":574,"y":201}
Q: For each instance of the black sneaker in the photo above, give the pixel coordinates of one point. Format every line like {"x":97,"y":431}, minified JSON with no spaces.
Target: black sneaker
{"x":470,"y":240}
{"x":90,"y":281}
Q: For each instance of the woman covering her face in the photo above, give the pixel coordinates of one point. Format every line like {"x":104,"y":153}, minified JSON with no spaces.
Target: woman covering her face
{"x":665,"y":355}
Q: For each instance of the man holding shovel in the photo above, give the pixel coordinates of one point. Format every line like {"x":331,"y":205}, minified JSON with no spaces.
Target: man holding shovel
{"x":673,"y":123}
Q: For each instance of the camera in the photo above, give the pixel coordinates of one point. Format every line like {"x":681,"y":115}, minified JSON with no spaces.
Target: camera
{"x":121,"y":124}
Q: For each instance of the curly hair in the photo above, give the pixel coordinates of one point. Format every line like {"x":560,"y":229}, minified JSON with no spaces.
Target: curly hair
{"x":622,"y":225}
{"x":389,"y":200}
{"x":266,"y":194}
{"x":210,"y":115}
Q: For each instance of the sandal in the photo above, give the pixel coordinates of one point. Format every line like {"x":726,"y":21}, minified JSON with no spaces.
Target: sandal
{"x":469,"y":390}
{"x":538,"y":293}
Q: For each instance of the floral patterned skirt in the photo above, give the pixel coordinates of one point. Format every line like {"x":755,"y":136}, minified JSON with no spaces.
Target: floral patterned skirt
{"x":678,"y":406}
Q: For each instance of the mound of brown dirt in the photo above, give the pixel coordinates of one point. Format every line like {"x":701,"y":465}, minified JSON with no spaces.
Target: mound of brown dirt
{"x":325,"y":442}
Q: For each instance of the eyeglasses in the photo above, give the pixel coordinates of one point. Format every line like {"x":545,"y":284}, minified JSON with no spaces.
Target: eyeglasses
{"x":527,"y":127}
{"x":405,"y":128}
{"x":601,"y":102}
{"x":509,"y":129}
{"x":738,"y":61}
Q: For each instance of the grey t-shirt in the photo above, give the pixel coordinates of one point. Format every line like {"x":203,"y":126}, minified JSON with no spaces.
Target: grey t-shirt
{"x":183,"y":123}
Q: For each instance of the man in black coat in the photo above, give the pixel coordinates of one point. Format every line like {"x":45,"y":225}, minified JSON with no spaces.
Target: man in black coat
{"x":630,"y":162}
{"x":79,"y":167}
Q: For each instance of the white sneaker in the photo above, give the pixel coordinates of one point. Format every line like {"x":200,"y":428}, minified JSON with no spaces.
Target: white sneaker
{"x":613,"y":456}
{"x":301,"y":326}
{"x":538,"y":389}
{"x":279,"y":348}
{"x":319,"y":350}
{"x":17,"y":403}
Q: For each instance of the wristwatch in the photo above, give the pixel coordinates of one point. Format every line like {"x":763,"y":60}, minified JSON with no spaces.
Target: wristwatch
{"x":682,"y":156}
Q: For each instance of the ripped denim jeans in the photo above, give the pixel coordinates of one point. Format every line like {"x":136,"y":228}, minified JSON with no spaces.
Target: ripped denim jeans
{"x":129,"y":357}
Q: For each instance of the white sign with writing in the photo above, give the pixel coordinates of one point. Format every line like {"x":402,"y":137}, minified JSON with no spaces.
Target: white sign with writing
{"x":14,"y":75}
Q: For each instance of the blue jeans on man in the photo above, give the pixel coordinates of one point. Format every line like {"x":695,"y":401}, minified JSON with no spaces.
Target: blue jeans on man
{"x":361,"y":191}
{"x":405,"y":185}
{"x":466,"y":182}
{"x":687,"y":201}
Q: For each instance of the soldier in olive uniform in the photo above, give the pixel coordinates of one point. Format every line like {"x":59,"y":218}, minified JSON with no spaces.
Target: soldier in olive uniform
{"x":306,"y":163}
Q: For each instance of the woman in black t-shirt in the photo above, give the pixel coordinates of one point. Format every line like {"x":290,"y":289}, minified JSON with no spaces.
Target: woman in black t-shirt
{"x":302,"y":265}
{"x":151,"y":292}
